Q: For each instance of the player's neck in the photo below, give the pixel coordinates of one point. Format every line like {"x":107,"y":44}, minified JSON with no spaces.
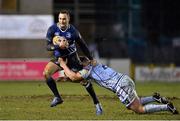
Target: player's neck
{"x":63,"y":29}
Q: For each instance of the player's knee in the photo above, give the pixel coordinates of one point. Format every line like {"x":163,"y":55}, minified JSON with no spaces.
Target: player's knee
{"x":136,"y":107}
{"x":139,"y":110}
{"x":46,"y":74}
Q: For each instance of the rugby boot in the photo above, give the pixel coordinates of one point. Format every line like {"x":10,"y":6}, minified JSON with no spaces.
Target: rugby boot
{"x":160,"y":99}
{"x":99,"y":110}
{"x":56,"y":101}
{"x":172,"y":109}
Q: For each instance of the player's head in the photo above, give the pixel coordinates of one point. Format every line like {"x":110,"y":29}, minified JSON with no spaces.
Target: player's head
{"x":84,"y":60}
{"x":64,"y":18}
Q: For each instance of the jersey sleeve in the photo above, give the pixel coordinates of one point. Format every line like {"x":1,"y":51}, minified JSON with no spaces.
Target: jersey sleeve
{"x":49,"y":38}
{"x":83,"y":45}
{"x":50,"y":34}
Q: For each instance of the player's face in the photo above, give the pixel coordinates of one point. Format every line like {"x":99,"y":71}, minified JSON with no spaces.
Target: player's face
{"x":63,"y":20}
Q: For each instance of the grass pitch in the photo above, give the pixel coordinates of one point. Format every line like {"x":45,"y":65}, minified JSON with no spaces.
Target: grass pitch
{"x":31,"y":101}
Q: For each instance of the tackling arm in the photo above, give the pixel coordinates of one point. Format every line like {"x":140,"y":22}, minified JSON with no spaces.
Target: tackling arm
{"x":74,"y":76}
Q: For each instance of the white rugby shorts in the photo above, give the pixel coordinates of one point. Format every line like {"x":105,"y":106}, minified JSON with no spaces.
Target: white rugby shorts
{"x":127,"y":92}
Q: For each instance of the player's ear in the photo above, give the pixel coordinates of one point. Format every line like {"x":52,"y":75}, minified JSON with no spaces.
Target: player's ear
{"x":69,"y":18}
{"x":68,"y":15}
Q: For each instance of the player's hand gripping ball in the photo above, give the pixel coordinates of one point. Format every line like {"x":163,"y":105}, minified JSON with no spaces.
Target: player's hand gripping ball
{"x":61,"y":41}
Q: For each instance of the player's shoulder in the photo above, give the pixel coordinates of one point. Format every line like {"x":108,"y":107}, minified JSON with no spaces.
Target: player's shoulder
{"x":72,"y":27}
{"x":54,"y":25}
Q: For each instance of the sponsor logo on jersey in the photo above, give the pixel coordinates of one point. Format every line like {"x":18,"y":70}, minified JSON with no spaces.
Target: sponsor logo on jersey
{"x":68,"y":35}
{"x":56,"y":33}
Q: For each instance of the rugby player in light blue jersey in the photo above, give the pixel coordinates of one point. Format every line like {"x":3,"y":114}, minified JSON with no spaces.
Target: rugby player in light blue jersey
{"x":120,"y":84}
{"x":67,"y":32}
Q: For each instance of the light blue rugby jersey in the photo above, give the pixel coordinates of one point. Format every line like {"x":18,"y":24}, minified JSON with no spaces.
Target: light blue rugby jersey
{"x":102,"y":75}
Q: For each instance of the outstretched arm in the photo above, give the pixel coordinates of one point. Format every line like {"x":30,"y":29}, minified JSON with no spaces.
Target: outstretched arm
{"x":74,"y":76}
{"x":84,"y":47}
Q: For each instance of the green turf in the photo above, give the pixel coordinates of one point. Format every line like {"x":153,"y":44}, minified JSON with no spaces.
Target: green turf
{"x":31,"y":100}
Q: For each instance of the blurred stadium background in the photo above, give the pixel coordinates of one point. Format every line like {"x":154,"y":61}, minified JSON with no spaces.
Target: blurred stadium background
{"x":137,"y":37}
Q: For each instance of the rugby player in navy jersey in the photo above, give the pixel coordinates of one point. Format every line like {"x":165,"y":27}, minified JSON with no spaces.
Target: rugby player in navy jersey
{"x":68,"y":32}
{"x":120,"y":84}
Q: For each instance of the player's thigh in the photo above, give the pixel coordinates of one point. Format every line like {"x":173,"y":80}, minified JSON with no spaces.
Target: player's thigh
{"x":50,"y":69}
{"x":126,"y":94}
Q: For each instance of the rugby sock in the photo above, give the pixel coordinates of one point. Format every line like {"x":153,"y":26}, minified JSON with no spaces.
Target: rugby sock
{"x":52,"y":85}
{"x":146,"y":100}
{"x":90,"y":90}
{"x":150,"y":108}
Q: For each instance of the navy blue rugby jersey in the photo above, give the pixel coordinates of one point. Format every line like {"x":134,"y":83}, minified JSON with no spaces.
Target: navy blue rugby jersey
{"x":72,"y":35}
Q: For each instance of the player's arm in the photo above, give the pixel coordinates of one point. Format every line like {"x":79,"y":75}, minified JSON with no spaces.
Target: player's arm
{"x":49,"y":39}
{"x":74,"y":76}
{"x":83,"y":46}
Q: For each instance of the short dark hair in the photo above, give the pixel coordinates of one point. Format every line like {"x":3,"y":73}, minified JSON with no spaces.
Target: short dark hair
{"x":64,"y":11}
{"x":83,"y":59}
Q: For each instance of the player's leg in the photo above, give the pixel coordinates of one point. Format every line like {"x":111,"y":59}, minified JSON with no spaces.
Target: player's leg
{"x":128,"y":96}
{"x":74,"y":64}
{"x":154,"y":98}
{"x":160,"y":99}
{"x":92,"y":93}
{"x":156,"y":108}
{"x":137,"y":107}
{"x":49,"y":70}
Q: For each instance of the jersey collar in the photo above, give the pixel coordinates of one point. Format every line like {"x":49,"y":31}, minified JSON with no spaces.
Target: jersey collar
{"x":61,"y":29}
